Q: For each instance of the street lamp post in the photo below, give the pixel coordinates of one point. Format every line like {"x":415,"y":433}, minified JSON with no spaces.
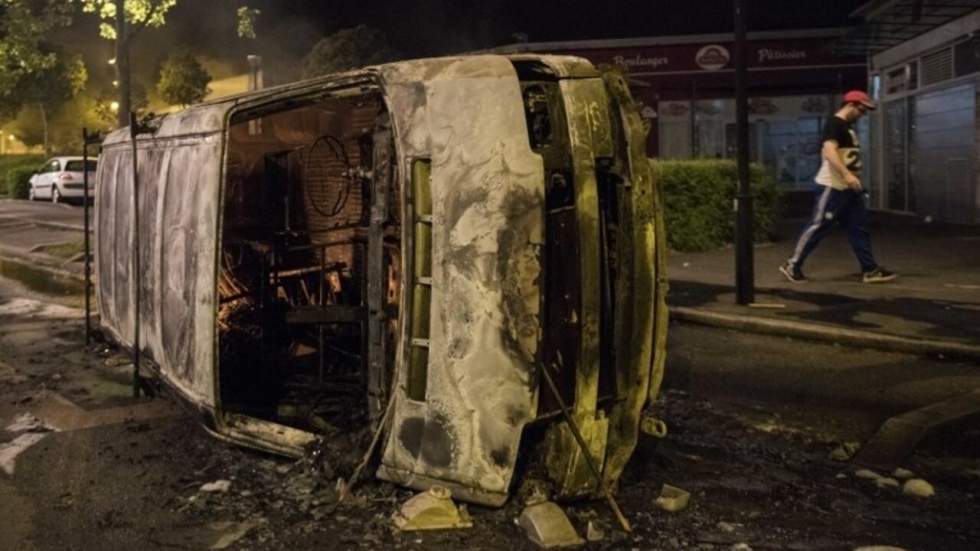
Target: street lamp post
{"x":744,"y":269}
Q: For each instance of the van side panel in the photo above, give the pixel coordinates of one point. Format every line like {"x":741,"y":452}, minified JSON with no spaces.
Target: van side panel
{"x":178,"y":190}
{"x":487,"y":219}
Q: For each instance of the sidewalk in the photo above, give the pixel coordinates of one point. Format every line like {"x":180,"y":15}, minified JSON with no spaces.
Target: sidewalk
{"x":933,"y":307}
{"x":45,"y":237}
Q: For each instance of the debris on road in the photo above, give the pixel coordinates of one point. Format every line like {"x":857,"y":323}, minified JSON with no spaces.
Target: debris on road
{"x":902,"y":474}
{"x":673,"y":499}
{"x":844,"y":452}
{"x":27,"y":422}
{"x":10,"y":450}
{"x":547,"y":526}
{"x":594,"y":532}
{"x":231,"y":532}
{"x":31,"y":430}
{"x":216,"y":486}
{"x":432,"y":509}
{"x":886,"y":482}
{"x":725,"y":526}
{"x":918,"y":487}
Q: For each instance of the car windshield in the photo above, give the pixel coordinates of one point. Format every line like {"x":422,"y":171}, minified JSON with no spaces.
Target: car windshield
{"x":76,"y":166}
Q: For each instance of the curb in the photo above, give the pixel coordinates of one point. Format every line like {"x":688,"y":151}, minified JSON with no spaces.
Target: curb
{"x":34,"y":262}
{"x":60,"y":226}
{"x":820,"y":332}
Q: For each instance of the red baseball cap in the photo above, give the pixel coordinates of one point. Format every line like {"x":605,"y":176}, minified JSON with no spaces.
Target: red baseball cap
{"x":857,"y":96}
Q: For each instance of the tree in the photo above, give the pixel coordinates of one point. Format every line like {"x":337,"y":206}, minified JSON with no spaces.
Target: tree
{"x":48,"y":89}
{"x":347,"y":49}
{"x":122,"y":27}
{"x":62,"y":124}
{"x":247,"y":17}
{"x":24,"y":25}
{"x":183,"y":80}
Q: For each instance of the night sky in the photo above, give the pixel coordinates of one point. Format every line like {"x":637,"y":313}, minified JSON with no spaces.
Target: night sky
{"x":287,"y":29}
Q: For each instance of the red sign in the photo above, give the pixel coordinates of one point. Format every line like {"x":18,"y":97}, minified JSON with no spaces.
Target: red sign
{"x":673,"y":58}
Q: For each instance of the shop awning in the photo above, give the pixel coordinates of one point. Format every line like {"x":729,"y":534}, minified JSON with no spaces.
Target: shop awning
{"x":888,"y":23}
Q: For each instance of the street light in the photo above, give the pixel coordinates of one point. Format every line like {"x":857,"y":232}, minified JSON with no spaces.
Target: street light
{"x":112,"y":61}
{"x":114,"y":106}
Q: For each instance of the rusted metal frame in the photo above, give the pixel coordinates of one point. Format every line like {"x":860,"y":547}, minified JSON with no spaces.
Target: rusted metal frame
{"x":377,"y":270}
{"x":635,"y":285}
{"x":587,"y":217}
{"x":587,"y":130}
{"x":327,"y":244}
{"x":88,"y":139}
{"x":601,"y":485}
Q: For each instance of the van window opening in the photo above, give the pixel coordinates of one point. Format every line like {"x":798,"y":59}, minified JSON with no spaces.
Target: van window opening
{"x":294,"y":279}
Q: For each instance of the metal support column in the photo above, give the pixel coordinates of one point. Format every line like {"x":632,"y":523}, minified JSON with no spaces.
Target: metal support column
{"x":744,"y":269}
{"x":137,"y":273}
{"x":87,"y":140}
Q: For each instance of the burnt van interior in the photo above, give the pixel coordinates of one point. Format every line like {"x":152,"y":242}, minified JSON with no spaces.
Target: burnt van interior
{"x":309,"y":263}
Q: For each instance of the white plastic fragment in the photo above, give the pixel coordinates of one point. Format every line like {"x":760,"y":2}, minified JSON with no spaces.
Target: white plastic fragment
{"x":867,"y":474}
{"x":673,"y":499}
{"x":431,"y":510}
{"x":216,"y":486}
{"x":547,"y":526}
{"x":27,"y":422}
{"x":594,"y":532}
{"x":902,"y":474}
{"x":918,"y":488}
{"x":886,"y":482}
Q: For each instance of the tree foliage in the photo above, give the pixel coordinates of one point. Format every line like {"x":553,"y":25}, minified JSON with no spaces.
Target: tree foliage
{"x":348,"y":49}
{"x":64,"y":123}
{"x":183,"y":80}
{"x":121,"y":27}
{"x":246,"y":21}
{"x":24,"y":24}
{"x":55,"y":84}
{"x":139,"y":14}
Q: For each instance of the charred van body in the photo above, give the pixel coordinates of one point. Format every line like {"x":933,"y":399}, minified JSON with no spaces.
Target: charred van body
{"x":401,"y":248}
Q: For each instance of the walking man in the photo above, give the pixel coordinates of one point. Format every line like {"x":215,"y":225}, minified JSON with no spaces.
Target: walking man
{"x":841,"y":198}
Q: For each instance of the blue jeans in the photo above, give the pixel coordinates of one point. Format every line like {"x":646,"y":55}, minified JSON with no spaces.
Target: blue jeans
{"x":846,"y":208}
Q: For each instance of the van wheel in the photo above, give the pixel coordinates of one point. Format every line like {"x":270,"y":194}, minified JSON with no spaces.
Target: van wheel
{"x":55,"y":195}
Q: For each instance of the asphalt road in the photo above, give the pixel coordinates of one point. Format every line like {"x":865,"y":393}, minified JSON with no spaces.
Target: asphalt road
{"x":42,"y":212}
{"x":751,"y":421}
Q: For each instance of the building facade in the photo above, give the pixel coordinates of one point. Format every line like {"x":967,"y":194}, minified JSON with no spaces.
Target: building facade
{"x":687,"y":87}
{"x":926,"y":134}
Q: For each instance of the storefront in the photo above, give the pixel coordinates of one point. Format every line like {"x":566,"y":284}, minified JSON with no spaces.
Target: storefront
{"x":927,"y":131}
{"x":686,"y":84}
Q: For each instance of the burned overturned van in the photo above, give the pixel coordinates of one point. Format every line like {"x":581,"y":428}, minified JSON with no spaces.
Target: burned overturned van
{"x":459,"y":255}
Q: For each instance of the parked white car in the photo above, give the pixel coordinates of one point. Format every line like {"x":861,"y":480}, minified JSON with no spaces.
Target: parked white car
{"x":62,"y":178}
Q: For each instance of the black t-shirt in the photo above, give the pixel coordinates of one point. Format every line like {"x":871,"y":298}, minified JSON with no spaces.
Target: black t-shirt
{"x":848,"y":147}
